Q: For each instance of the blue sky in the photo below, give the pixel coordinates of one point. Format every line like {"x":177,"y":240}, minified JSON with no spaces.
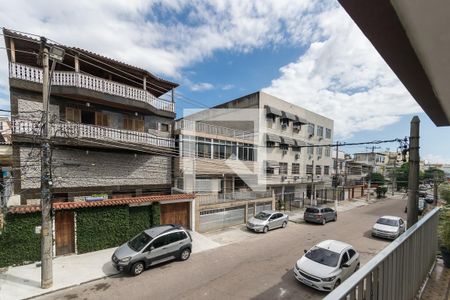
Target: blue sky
{"x":306,"y":52}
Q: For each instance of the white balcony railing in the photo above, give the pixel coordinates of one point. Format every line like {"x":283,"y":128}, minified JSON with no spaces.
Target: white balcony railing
{"x":399,"y":270}
{"x":195,"y":126}
{"x":76,"y":79}
{"x":93,"y":132}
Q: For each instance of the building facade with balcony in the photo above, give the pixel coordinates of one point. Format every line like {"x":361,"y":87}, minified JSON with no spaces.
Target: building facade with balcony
{"x":266,"y":144}
{"x":110,"y":125}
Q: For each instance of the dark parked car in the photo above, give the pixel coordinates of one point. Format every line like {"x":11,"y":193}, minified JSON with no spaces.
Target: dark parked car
{"x":318,"y":214}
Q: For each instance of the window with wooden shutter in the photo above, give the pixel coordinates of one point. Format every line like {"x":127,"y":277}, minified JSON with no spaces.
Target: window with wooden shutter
{"x":101,"y":119}
{"x":127,"y":123}
{"x":73,"y":115}
{"x":138,"y":125}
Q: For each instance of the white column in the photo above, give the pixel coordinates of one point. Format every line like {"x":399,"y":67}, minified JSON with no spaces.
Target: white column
{"x":77,"y":64}
{"x":145,"y":83}
{"x":12,"y":46}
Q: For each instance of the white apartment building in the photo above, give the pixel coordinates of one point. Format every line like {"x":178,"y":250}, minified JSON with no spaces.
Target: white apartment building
{"x":277,"y":143}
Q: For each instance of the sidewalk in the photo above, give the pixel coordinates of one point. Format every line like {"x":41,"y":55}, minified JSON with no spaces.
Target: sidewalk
{"x":438,"y":285}
{"x":24,"y":281}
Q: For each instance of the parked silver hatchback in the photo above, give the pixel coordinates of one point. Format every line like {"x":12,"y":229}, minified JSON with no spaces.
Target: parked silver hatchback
{"x":267,"y":220}
{"x":152,"y":246}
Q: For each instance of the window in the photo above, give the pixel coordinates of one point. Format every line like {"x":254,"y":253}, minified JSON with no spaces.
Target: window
{"x":270,"y":144}
{"x":283,"y":168}
{"x":284,"y":146}
{"x":326,"y":170}
{"x":327,"y":151}
{"x":101,"y":119}
{"x":203,"y":147}
{"x":139,"y":241}
{"x":311,"y":128}
{"x":328,"y":133}
{"x":344,"y":259}
{"x":164,"y":127}
{"x":351,"y":253}
{"x":318,"y":170}
{"x":296,"y":149}
{"x":320,"y":131}
{"x":284,"y":123}
{"x":188,"y":145}
{"x":161,"y":241}
{"x":73,"y":115}
{"x":309,"y":169}
{"x":219,"y":149}
{"x":246,"y":152}
{"x":319,"y":151}
{"x":295,"y":168}
{"x":310,"y":150}
{"x":135,"y":124}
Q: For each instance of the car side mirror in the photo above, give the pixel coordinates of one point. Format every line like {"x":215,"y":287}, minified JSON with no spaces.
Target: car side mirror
{"x":149,"y":249}
{"x":345,"y":265}
{"x":305,"y":250}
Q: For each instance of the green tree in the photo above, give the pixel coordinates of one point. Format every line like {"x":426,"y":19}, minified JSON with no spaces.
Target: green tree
{"x":444,"y":192}
{"x":429,"y":174}
{"x":377,"y":178}
{"x":401,"y":175}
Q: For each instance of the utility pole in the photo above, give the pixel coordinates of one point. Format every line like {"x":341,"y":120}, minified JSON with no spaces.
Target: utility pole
{"x":313,"y":192}
{"x":46,"y":205}
{"x":413,"y":179}
{"x":394,"y":177}
{"x":370,"y":172}
{"x":336,"y":177}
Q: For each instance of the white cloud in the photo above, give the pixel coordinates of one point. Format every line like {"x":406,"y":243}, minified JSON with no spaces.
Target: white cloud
{"x":202,"y":86}
{"x":340,"y":75}
{"x":343,"y":77}
{"x":227,"y":87}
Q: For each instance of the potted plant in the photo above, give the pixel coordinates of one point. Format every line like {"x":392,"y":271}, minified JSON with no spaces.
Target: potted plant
{"x":444,"y":234}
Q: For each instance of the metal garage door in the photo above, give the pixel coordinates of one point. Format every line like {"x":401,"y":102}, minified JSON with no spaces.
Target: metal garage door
{"x":221,"y":218}
{"x":263,"y":206}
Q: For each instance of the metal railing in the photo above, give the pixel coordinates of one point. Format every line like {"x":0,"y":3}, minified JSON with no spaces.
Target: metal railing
{"x":86,"y":131}
{"x":76,"y":79}
{"x":205,"y":199}
{"x":214,"y":129}
{"x":399,"y":270}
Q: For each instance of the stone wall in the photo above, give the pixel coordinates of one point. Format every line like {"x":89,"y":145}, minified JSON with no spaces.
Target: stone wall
{"x":81,"y":168}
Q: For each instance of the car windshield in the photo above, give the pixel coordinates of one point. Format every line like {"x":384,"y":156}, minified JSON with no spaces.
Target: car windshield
{"x":312,"y":210}
{"x":323,"y":256}
{"x":262,"y":216}
{"x":139,"y":241}
{"x":389,"y":222}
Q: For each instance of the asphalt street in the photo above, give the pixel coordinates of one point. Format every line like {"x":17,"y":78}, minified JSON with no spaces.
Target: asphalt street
{"x":257,"y":268}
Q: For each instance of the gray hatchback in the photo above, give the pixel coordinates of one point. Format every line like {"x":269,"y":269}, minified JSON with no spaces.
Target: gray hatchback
{"x":318,"y":214}
{"x":152,"y":246}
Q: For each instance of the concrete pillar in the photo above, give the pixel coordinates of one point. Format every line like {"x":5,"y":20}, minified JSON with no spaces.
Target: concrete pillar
{"x":12,"y":46}
{"x":77,"y":63}
{"x":144,"y":85}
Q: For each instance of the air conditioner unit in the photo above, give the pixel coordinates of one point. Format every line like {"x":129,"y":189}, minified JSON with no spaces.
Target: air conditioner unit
{"x":318,"y":177}
{"x":311,"y":135}
{"x":319,"y":157}
{"x":284,"y":152}
{"x":297,"y":156}
{"x":296,"y":177}
{"x":321,"y":138}
{"x":283,"y":178}
{"x":310,"y":156}
{"x":296,"y":127}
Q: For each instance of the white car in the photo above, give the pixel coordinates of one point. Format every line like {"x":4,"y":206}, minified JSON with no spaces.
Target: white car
{"x":389,"y":227}
{"x":327,"y":265}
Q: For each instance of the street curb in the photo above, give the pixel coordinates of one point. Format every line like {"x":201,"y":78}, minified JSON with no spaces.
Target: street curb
{"x":70,"y":286}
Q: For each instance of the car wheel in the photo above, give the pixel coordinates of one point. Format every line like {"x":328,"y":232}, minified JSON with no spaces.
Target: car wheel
{"x":284,"y":224}
{"x":265,"y":229}
{"x":137,"y":268}
{"x":335,"y":217}
{"x":338,"y":282}
{"x":357,"y":267}
{"x":185,"y":254}
{"x":324,"y":221}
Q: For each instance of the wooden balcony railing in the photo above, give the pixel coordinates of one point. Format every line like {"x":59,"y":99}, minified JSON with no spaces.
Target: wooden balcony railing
{"x":86,"y":131}
{"x":76,"y":79}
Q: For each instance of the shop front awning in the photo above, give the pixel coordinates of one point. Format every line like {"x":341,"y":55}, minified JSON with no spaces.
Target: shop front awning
{"x":273,"y":138}
{"x":272,"y":111}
